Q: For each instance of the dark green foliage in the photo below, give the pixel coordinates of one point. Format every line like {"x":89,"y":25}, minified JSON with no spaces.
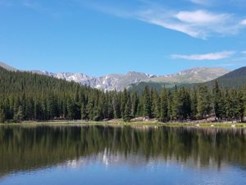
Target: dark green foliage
{"x":27,"y":96}
{"x":181,"y":104}
{"x":203,"y":102}
{"x":2,"y":115}
{"x":147,"y":104}
{"x":127,"y":112}
{"x":139,"y":87}
{"x":18,"y":114}
{"x":234,"y":79}
{"x":164,"y":116}
{"x":193,"y":97}
{"x":219,"y":102}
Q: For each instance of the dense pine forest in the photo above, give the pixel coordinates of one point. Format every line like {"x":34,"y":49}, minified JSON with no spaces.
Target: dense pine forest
{"x":28,"y":96}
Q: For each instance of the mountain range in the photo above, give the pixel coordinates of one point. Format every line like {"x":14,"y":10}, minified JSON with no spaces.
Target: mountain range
{"x":120,"y":81}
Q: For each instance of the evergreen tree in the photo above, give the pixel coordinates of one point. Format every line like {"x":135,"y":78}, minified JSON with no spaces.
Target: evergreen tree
{"x":156,"y":105}
{"x":135,"y":104}
{"x":218,"y":102}
{"x":147,"y":105}
{"x":185,"y":109}
{"x":127,"y":112}
{"x":19,"y":115}
{"x":241,"y":107}
{"x":116,"y":105}
{"x":193,"y":104}
{"x":124,"y":99}
{"x":203,"y":102}
{"x":90,"y":108}
{"x":231,"y":107}
{"x":84,"y":113}
{"x":164,"y":106}
{"x":243,"y":91}
{"x":175,"y":104}
{"x":2,"y":115}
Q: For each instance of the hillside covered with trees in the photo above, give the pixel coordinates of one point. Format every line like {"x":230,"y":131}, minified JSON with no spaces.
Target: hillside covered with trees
{"x":234,"y":79}
{"x":28,"y":96}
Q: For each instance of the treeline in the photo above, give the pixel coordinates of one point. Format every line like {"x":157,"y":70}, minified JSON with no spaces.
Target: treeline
{"x":27,"y":96}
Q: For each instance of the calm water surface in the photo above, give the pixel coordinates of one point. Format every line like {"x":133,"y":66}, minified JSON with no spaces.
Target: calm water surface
{"x":121,"y":156}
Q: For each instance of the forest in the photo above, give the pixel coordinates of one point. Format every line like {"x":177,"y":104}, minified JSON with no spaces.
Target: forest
{"x":29,"y":96}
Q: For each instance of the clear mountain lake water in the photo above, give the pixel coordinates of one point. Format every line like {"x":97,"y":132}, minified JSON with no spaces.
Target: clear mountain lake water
{"x":121,"y":156}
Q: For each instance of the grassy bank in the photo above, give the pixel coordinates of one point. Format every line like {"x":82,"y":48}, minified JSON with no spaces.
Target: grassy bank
{"x":138,"y":124}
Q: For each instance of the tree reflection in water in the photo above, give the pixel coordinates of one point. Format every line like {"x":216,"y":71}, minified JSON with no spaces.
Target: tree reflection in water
{"x":39,"y":147}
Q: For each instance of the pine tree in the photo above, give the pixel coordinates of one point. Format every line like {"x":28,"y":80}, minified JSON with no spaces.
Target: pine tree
{"x":2,"y":115}
{"x":84,"y":114}
{"x":147,"y":105}
{"x":243,"y":91}
{"x":90,"y":108}
{"x":193,"y":104}
{"x":218,"y":101}
{"x":18,"y":116}
{"x":185,"y":109}
{"x":203,"y":102}
{"x":135,"y":104}
{"x":164,"y":106}
{"x":241,"y":107}
{"x":116,"y":105}
{"x":124,"y":99}
{"x":176,"y":104}
{"x":127,"y":112}
{"x":156,"y":105}
{"x":73,"y":110}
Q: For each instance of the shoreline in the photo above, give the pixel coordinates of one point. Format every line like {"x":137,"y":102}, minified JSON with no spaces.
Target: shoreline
{"x":137,"y":124}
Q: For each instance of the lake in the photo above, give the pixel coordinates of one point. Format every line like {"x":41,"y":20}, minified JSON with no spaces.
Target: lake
{"x":99,"y":155}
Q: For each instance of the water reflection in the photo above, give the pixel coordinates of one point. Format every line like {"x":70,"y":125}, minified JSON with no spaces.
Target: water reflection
{"x":24,"y":149}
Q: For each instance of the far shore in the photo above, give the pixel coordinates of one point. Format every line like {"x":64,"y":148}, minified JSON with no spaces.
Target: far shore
{"x":135,"y":124}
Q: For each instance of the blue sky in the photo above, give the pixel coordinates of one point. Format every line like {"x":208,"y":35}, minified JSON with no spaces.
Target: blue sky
{"x":98,"y":37}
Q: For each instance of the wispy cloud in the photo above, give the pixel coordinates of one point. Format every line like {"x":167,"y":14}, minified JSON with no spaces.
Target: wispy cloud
{"x":207,"y":56}
{"x":197,"y":23}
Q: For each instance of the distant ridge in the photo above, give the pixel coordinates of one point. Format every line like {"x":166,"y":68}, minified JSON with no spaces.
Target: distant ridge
{"x":7,"y":67}
{"x":136,"y":80}
{"x":186,"y":78}
{"x":233,"y":79}
{"x":194,"y":75}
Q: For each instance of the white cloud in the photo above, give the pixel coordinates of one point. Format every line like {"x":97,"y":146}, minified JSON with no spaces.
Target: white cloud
{"x":201,"y":17}
{"x":243,"y":22}
{"x":198,"y":23}
{"x":166,"y":21}
{"x":207,"y":56}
